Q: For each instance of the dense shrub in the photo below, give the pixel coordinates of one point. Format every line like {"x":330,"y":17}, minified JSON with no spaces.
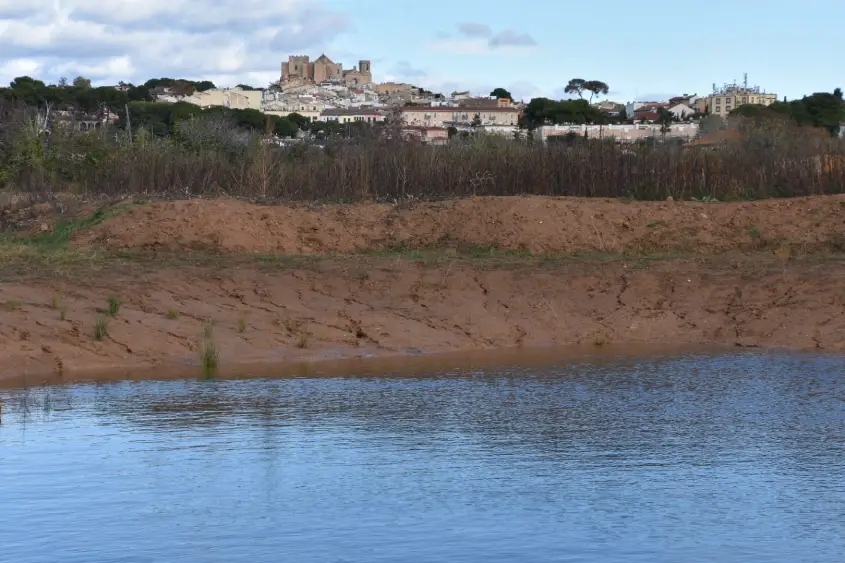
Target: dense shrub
{"x":209,"y":157}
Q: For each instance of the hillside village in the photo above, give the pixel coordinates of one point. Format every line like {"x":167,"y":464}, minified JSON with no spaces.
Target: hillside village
{"x":324,"y":91}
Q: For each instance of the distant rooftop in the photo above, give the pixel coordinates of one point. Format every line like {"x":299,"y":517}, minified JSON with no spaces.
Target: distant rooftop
{"x":350,"y":111}
{"x":458,"y":109}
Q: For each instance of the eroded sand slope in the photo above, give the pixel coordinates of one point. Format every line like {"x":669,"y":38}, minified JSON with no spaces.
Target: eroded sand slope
{"x":533,"y":224}
{"x":742,"y":290}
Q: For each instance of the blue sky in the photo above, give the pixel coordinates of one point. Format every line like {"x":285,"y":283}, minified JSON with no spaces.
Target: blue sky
{"x":642,"y":50}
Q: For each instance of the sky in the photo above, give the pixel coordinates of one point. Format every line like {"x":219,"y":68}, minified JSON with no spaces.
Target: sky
{"x":649,"y":50}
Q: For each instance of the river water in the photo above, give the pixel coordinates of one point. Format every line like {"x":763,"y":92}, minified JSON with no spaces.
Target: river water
{"x":717,"y":458}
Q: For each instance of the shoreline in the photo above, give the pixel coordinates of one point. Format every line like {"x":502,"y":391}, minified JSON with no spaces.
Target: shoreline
{"x":398,"y":365}
{"x":409,"y":309}
{"x":139,"y":285}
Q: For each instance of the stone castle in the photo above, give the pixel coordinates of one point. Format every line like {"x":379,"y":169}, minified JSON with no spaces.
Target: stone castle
{"x":300,"y":69}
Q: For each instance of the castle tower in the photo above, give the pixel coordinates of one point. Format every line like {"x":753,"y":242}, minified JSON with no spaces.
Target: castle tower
{"x":364,"y":67}
{"x":297,"y":66}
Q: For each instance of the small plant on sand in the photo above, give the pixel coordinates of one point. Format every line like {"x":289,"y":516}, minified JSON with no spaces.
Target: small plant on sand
{"x":172,"y":314}
{"x":752,"y":231}
{"x":12,"y":305}
{"x":63,"y":313}
{"x":241,"y":324}
{"x":114,"y":306}
{"x":55,"y":302}
{"x":209,"y":352}
{"x":101,"y":328}
{"x":303,"y":339}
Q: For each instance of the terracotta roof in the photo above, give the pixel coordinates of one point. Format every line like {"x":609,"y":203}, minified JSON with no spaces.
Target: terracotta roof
{"x":652,"y":115}
{"x":722,"y":136}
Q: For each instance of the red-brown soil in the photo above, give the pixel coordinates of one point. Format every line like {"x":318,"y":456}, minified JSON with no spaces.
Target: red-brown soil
{"x":749,"y":291}
{"x":533,"y":224}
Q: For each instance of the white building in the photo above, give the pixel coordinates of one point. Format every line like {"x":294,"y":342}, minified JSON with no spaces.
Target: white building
{"x":621,"y":133}
{"x":352,"y":115}
{"x":681,"y":111}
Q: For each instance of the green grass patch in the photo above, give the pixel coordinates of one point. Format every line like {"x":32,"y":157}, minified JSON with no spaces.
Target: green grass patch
{"x":114,"y":306}
{"x":12,"y":305}
{"x":209,"y":352}
{"x":101,"y":328}
{"x":50,"y":251}
{"x":445,"y":250}
{"x":172,"y":314}
{"x":303,"y":339}
{"x":64,"y":230}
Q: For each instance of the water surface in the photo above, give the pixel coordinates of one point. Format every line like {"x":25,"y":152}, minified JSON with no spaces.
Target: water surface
{"x":723,"y":458}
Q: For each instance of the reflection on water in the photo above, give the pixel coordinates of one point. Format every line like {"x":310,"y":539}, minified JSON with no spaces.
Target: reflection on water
{"x":692,"y":458}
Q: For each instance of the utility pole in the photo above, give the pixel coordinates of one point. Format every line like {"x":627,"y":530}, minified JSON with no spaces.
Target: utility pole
{"x":128,"y":123}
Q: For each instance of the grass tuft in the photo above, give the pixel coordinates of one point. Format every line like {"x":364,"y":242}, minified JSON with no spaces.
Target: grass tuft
{"x":101,"y":328}
{"x":12,"y":305}
{"x":303,"y":339}
{"x":114,"y":306}
{"x":172,"y":314}
{"x":241,"y":325}
{"x":55,"y":302}
{"x":209,"y":352}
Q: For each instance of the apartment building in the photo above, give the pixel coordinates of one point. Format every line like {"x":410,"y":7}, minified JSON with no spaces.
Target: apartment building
{"x":428,"y":135}
{"x":352,"y":115}
{"x":722,"y":101}
{"x":448,"y":116}
{"x":234,"y":98}
{"x":621,"y":133}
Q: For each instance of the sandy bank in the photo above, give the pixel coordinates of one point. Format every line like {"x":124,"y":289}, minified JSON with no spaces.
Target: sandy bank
{"x":528,"y":224}
{"x":764,"y":273}
{"x":343,"y":308}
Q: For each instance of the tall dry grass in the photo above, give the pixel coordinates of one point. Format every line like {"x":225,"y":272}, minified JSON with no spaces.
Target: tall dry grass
{"x":771,"y":161}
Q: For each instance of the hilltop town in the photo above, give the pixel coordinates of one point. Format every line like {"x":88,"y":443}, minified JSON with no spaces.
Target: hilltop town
{"x":323,"y":90}
{"x":321,"y":97}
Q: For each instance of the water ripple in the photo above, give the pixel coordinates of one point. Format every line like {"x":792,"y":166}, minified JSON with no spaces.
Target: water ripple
{"x":735,"y":458}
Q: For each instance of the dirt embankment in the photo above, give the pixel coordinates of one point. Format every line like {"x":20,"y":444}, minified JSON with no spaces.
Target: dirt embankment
{"x":362,"y":305}
{"x":530,"y":224}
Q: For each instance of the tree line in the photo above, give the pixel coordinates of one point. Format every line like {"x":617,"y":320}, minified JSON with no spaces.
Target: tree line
{"x":138,"y":110}
{"x":821,"y":109}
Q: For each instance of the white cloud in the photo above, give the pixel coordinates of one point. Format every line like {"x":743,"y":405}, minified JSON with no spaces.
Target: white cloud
{"x":471,"y":29}
{"x":510,"y":38}
{"x":405,"y":70}
{"x":460,"y":46}
{"x":133,"y":40}
{"x":478,"y":39}
{"x":445,"y":85}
